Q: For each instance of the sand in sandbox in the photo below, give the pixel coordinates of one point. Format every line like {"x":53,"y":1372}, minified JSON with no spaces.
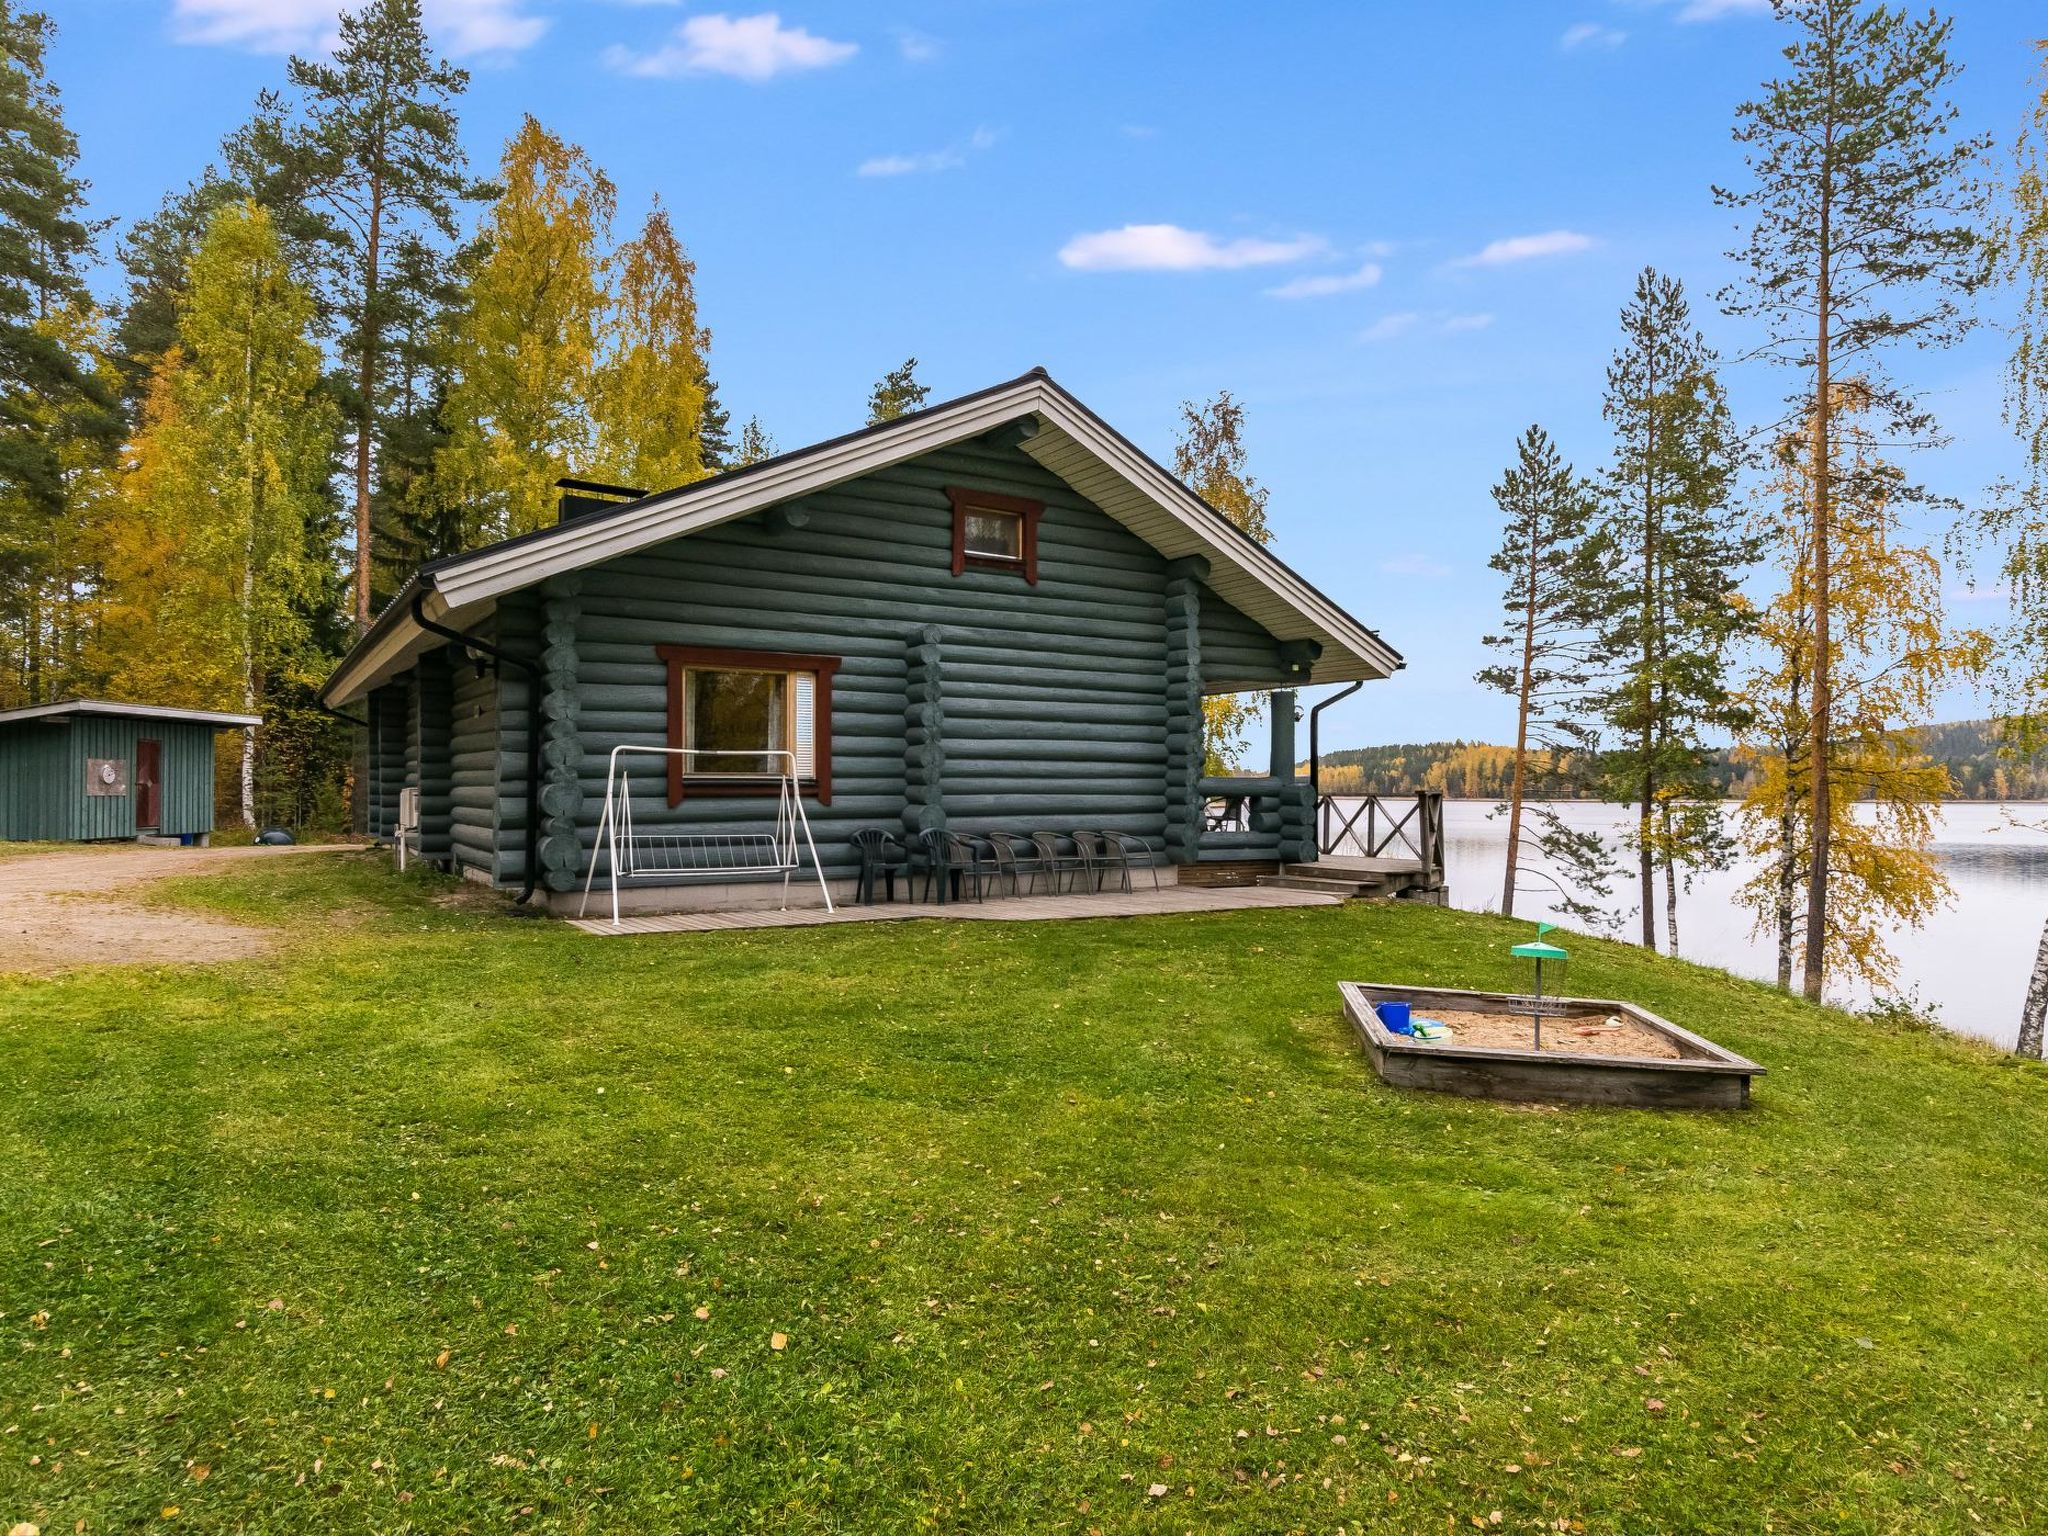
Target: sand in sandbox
{"x":1513,"y":1032}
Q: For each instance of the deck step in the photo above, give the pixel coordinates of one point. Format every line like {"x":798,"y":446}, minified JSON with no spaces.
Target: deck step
{"x":1348,"y":889}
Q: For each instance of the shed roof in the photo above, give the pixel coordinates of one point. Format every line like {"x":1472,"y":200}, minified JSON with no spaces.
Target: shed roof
{"x":1069,"y":439}
{"x":70,"y":707}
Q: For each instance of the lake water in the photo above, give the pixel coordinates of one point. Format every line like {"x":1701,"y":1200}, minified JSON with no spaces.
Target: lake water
{"x":1970,"y":961}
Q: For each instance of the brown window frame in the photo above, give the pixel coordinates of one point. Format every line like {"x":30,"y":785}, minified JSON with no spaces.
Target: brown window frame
{"x":680,"y":658}
{"x":1025,"y":510}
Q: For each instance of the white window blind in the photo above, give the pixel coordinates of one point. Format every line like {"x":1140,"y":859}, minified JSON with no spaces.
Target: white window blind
{"x":806,"y":747}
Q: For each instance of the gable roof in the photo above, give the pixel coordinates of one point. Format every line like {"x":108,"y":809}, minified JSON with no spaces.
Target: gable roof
{"x":1070,"y":440}
{"x":70,"y":707}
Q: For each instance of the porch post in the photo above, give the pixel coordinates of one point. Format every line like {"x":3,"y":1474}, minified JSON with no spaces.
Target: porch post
{"x":561,"y":743}
{"x":924,"y":734}
{"x":1296,"y":809}
{"x":1184,"y":579}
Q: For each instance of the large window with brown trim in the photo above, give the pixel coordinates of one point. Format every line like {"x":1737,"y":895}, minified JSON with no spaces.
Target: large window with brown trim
{"x":744,"y":717}
{"x":995,"y":532}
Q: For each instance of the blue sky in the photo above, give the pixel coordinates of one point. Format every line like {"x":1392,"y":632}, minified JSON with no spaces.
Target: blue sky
{"x":1399,"y":232}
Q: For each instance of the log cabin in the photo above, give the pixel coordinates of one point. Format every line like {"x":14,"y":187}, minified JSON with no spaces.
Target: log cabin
{"x":992,"y":615}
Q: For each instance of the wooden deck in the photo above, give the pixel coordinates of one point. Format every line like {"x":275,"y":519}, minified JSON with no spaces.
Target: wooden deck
{"x":1143,"y":902}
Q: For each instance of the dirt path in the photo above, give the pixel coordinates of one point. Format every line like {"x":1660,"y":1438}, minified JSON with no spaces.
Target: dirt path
{"x":59,"y":910}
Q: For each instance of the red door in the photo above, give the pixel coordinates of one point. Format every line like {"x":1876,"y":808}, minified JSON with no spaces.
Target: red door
{"x":149,"y":784}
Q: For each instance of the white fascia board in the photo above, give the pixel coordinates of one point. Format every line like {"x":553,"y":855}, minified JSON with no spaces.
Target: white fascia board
{"x":102,"y":707}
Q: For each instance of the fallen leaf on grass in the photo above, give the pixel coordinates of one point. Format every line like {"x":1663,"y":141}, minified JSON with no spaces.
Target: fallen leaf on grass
{"x":1156,"y":1491}
{"x":778,"y":1341}
{"x":441,"y":1360}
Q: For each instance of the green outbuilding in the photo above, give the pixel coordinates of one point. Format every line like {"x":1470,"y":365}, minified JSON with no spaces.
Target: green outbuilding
{"x":88,"y":770}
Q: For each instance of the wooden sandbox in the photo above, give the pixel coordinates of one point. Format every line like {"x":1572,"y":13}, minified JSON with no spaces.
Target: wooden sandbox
{"x":1649,"y":1063}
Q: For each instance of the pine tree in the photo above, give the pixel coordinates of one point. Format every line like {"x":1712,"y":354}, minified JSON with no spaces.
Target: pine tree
{"x":649,"y":406}
{"x":1210,"y":460}
{"x":1548,"y":555}
{"x":55,"y":403}
{"x":215,"y":564}
{"x":525,"y":347}
{"x":897,"y":393}
{"x":1866,"y":232}
{"x":378,"y":154}
{"x":1674,"y":560}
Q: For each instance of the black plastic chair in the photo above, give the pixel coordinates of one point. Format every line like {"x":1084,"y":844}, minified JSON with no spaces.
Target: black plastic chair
{"x":951,"y":863}
{"x":1126,"y":848}
{"x":880,"y":854}
{"x":1054,"y":862}
{"x":1095,"y":858}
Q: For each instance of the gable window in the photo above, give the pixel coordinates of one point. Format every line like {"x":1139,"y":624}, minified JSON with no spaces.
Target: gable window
{"x":745,"y":717}
{"x":994,"y":532}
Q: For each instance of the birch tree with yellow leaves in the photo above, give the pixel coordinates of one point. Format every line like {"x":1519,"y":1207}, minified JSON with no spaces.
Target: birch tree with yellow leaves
{"x":524,"y":351}
{"x":212,"y":565}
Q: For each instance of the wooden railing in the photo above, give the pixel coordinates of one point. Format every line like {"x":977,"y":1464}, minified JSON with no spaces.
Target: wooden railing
{"x":1381,"y":827}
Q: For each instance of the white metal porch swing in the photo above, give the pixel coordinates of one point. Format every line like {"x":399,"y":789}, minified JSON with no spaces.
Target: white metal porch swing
{"x":632,"y":854}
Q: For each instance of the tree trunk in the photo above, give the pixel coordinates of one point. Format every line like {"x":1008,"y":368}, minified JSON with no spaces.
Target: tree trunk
{"x":1519,"y":779}
{"x":1823,"y":506}
{"x":366,"y":407}
{"x":2035,"y":1012}
{"x":1670,"y":887}
{"x":1645,"y":691}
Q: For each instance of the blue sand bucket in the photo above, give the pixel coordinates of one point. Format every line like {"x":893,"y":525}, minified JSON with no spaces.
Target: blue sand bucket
{"x":1395,"y":1017}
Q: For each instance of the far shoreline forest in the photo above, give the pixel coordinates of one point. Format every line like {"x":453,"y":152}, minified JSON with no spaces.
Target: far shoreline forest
{"x":1980,"y":762}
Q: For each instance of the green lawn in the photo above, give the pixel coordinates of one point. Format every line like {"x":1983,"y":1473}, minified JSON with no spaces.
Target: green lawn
{"x":444,"y":1220}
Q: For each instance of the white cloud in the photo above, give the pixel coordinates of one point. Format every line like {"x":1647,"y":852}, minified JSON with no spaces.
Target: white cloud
{"x":951,"y":158}
{"x":1325,"y":284}
{"x":463,"y":28}
{"x":1591,"y":34}
{"x":917,"y":47}
{"x":1169,"y":248}
{"x":1715,"y":10}
{"x":1406,"y":321}
{"x":1501,"y":253}
{"x":752,"y":48}
{"x":1387,"y":327}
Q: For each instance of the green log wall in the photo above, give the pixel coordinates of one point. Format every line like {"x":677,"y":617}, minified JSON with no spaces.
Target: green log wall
{"x":977,"y":702}
{"x":473,"y":767}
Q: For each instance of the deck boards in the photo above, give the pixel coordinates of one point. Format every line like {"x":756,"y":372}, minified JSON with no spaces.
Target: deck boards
{"x":1012,"y":909}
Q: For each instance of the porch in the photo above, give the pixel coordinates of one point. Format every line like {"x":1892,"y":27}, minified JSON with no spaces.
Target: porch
{"x":1143,"y":902}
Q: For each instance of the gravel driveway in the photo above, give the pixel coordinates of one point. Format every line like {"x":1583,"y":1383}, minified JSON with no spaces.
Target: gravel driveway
{"x":59,"y":910}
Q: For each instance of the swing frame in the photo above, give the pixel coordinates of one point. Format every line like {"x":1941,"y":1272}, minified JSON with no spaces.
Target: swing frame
{"x":730,"y":853}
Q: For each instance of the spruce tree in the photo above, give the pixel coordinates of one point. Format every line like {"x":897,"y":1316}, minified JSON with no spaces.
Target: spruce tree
{"x":1547,"y":555}
{"x":714,"y":434}
{"x":1866,"y":233}
{"x":1674,"y":560}
{"x":378,"y":155}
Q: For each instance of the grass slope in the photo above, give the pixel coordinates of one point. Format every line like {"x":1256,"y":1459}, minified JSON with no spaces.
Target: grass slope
{"x":446,"y":1221}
